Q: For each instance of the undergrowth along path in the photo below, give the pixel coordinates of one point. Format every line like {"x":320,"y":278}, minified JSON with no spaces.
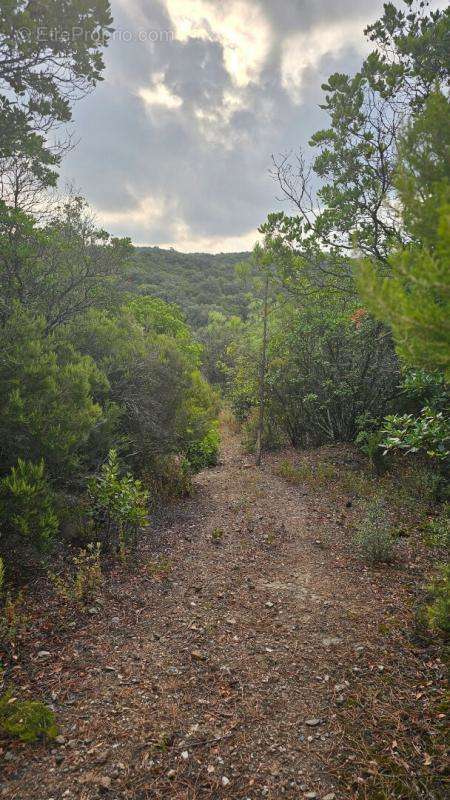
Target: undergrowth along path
{"x":220,"y":666}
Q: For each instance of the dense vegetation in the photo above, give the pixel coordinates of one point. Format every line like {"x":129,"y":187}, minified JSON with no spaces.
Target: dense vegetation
{"x":91,"y":373}
{"x":200,"y":283}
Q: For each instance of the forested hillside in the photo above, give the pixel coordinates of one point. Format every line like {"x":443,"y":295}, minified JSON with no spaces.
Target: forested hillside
{"x":198,"y":282}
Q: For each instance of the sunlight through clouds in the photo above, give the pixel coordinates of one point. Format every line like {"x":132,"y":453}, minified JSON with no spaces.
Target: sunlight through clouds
{"x":240,"y":27}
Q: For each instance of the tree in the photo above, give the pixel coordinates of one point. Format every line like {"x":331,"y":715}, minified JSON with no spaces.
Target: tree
{"x":50,"y":55}
{"x":414,"y":300}
{"x":354,"y":208}
{"x":62,"y":269}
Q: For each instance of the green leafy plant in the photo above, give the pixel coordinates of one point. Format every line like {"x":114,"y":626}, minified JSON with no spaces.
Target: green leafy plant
{"x":204,"y":452}
{"x":27,"y":720}
{"x":429,"y":433}
{"x":118,"y":505}
{"x":27,"y":512}
{"x":216,"y":535}
{"x":369,"y":440}
{"x":374,"y":537}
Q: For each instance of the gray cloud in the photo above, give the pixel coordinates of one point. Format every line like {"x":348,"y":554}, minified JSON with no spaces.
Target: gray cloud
{"x":175,"y":148}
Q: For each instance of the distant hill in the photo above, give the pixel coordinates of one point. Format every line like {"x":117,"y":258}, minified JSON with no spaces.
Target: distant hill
{"x":197,"y":282}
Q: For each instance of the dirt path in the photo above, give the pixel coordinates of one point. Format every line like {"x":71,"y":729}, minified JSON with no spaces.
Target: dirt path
{"x":215,"y":670}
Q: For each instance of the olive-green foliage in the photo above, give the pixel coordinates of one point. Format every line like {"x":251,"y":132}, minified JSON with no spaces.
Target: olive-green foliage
{"x":27,"y":516}
{"x":414,"y":299}
{"x":218,"y":337}
{"x":84,"y":584}
{"x":204,"y":452}
{"x":325,"y":368}
{"x":47,"y":401}
{"x":315,"y":475}
{"x":199,"y":283}
{"x":170,"y":478}
{"x":27,"y":720}
{"x":374,"y":538}
{"x":437,"y":529}
{"x":197,"y":420}
{"x":438,"y":612}
{"x":41,"y":76}
{"x":118,"y":505}
{"x":86,"y":368}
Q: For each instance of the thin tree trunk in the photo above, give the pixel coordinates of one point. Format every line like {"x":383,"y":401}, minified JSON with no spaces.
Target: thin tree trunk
{"x":262,"y":375}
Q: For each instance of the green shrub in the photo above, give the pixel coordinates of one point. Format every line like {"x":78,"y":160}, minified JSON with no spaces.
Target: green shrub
{"x":26,"y":720}
{"x":437,"y":530}
{"x":170,"y":479}
{"x":369,"y":441}
{"x":374,"y":537}
{"x":203,"y":453}
{"x":428,"y":433}
{"x":118,"y":505}
{"x":438,"y":612}
{"x":27,"y":512}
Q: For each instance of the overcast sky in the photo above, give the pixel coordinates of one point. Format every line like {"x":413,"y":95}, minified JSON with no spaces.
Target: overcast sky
{"x":175,"y":144}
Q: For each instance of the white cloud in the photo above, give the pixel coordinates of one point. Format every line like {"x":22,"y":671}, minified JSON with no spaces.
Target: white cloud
{"x":148,"y":215}
{"x":185,"y":241}
{"x":304,"y":50}
{"x":240,"y":27}
{"x":158,"y":94}
{"x":150,"y":210}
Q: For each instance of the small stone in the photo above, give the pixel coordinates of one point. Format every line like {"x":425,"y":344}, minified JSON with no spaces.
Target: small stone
{"x":171,"y":774}
{"x":44,"y":654}
{"x":198,"y":655}
{"x":310,"y":796}
{"x":115,"y":620}
{"x":340,"y":687}
{"x":210,"y":769}
{"x":185,"y":755}
{"x":172,"y":671}
{"x":225,"y":780}
{"x":312,"y":722}
{"x":60,"y":740}
{"x":269,"y":604}
{"x":93,"y":610}
{"x":330,"y":796}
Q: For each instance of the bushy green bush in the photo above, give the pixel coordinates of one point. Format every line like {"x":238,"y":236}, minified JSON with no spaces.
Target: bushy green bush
{"x":428,"y":433}
{"x":324,"y":369}
{"x":204,"y":452}
{"x":26,"y":720}
{"x":27,"y":513}
{"x":119,"y":505}
{"x":374,"y":537}
{"x":170,"y":478}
